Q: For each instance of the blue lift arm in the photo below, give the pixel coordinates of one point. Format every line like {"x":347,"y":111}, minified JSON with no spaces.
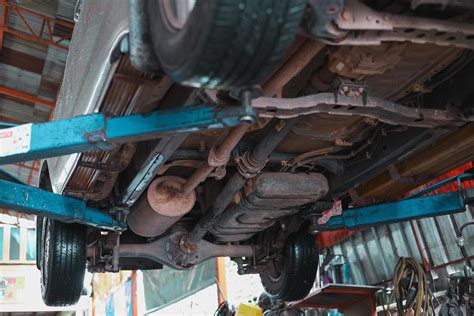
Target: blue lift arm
{"x":414,"y":207}
{"x":27,"y":199}
{"x":99,"y":132}
{"x":32,"y":200}
{"x":88,"y":133}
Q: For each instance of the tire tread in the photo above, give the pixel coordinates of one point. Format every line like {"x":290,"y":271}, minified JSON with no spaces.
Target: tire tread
{"x":244,"y":45}
{"x":67,"y":257}
{"x":301,"y":265}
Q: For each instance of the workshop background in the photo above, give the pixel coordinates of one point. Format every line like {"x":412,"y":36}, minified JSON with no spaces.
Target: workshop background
{"x":34,"y":41}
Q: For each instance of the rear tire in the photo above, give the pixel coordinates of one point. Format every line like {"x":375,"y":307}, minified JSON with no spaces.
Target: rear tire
{"x":225,"y":44}
{"x":293,"y":278}
{"x":60,"y":255}
{"x":63,"y":263}
{"x":39,"y":241}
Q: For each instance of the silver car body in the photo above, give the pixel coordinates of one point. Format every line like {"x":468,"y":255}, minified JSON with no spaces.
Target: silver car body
{"x":101,"y":26}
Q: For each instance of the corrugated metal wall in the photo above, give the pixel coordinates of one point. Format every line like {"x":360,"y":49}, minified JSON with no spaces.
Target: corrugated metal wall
{"x":373,"y":253}
{"x":32,"y":68}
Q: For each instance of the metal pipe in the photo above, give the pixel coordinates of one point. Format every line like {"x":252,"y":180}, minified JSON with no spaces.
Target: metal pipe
{"x":157,"y":251}
{"x":292,"y":67}
{"x":258,"y":156}
{"x":458,"y":232}
{"x":426,"y":264}
{"x":217,"y":157}
{"x":457,"y":261}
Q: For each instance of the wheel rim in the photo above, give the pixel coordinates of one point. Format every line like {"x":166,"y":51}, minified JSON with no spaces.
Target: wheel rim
{"x":275,"y":270}
{"x":176,"y":12}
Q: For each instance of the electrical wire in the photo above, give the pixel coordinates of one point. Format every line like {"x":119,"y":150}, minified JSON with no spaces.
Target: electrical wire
{"x":464,"y":226}
{"x":222,"y":309}
{"x":410,"y":289}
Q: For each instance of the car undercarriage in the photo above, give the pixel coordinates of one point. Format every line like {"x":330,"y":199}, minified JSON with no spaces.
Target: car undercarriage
{"x":347,"y":103}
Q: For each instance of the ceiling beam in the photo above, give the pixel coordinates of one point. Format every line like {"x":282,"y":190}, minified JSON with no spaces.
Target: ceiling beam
{"x":3,"y":19}
{"x":26,"y":97}
{"x":44,"y":37}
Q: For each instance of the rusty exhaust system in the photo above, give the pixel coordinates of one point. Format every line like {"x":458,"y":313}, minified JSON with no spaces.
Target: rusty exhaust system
{"x":169,"y":198}
{"x":163,"y":205}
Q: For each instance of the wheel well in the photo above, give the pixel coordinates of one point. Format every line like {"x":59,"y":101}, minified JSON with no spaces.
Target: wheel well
{"x":44,"y":178}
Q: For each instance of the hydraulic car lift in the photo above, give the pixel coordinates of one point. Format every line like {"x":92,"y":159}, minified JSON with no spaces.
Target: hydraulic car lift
{"x":98,"y":132}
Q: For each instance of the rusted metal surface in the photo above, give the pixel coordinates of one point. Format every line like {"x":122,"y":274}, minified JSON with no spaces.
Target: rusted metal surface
{"x":349,"y":299}
{"x":326,"y":133}
{"x":217,"y":157}
{"x":418,"y":65}
{"x":162,"y":206}
{"x":167,"y":251}
{"x":360,"y":25}
{"x":198,"y":176}
{"x":382,"y":110}
{"x":270,"y":196}
{"x":104,"y":173}
{"x":179,"y":163}
{"x":359,"y":61}
{"x":292,"y":67}
{"x":441,"y":157}
{"x":125,"y":96}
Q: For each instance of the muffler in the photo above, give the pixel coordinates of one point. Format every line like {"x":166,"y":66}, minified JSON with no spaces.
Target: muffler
{"x":163,"y":205}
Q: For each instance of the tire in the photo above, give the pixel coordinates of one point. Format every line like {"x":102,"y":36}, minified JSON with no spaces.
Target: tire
{"x":45,"y":184}
{"x":293,"y":278}
{"x":63,"y":262}
{"x":224,"y":44}
{"x":39,"y":241}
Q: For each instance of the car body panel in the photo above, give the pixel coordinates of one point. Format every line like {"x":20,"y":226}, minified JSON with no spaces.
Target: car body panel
{"x":88,"y":70}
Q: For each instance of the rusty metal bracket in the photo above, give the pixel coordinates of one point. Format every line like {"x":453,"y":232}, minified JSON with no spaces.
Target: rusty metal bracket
{"x":359,"y":24}
{"x":168,"y":251}
{"x":322,"y":17}
{"x":395,"y":175}
{"x":376,"y":108}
